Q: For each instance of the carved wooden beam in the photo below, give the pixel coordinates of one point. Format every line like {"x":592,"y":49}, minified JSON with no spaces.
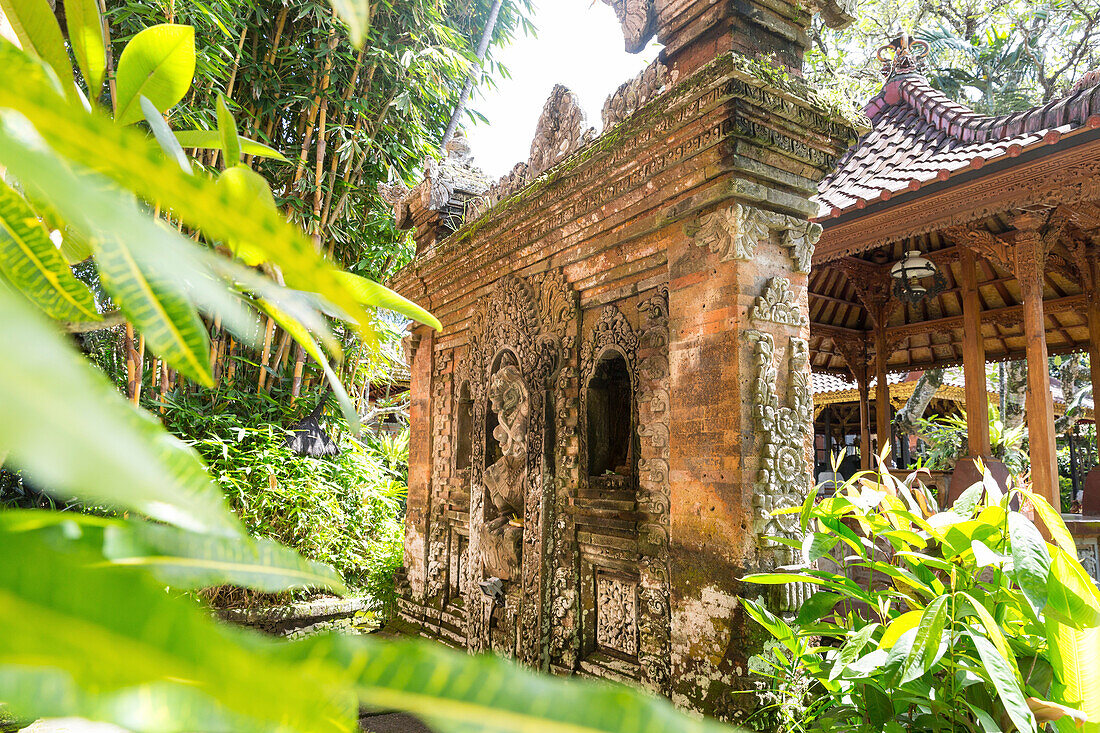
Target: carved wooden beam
{"x":873,"y":286}
{"x":1008,"y":316}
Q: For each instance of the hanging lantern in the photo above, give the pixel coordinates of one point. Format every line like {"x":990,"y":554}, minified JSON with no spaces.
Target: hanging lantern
{"x":909,"y":276}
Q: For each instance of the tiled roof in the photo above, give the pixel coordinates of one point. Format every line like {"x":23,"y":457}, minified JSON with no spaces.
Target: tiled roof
{"x":920,"y":136}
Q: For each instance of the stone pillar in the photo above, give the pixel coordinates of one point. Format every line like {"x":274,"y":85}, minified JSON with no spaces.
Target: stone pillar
{"x":420,"y":346}
{"x":1030,"y":261}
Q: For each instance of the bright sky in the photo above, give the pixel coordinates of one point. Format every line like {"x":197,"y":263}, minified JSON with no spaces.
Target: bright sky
{"x":580,"y":45}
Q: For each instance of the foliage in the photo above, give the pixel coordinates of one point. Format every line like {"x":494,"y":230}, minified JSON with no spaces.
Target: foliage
{"x":929,"y":619}
{"x":346,"y":512}
{"x":995,"y":55}
{"x":946,"y":442}
{"x":108,"y":643}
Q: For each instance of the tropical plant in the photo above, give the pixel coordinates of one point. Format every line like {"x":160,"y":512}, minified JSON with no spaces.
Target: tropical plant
{"x":945,"y":442}
{"x":108,"y":643}
{"x":931,"y":620}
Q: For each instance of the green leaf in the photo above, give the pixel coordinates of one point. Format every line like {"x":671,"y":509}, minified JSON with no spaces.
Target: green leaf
{"x":190,"y":561}
{"x":993,"y":630}
{"x":1075,"y":655}
{"x":211,"y":140}
{"x":163,"y":133}
{"x":247,"y":186}
{"x":1030,"y":559}
{"x":927,"y":641}
{"x":852,"y":648}
{"x":227,"y":133}
{"x":158,"y":307}
{"x":456,"y":693}
{"x":897,"y":627}
{"x":128,"y":158}
{"x":32,"y":263}
{"x":1054,"y":523}
{"x":818,"y":605}
{"x":371,"y":294}
{"x":357,"y":14}
{"x":969,"y":500}
{"x":1072,"y":598}
{"x":109,"y":644}
{"x":158,"y":63}
{"x":78,"y":437}
{"x":86,"y":40}
{"x":302,"y":335}
{"x":36,"y":28}
{"x":1004,"y":681}
{"x":807,"y":508}
{"x":775,"y":626}
{"x":816,"y":545}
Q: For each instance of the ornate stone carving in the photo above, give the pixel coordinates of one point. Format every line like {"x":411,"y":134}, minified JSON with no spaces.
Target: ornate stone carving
{"x":612,"y":329}
{"x":562,"y":129}
{"x":636,"y":93}
{"x":506,"y":479}
{"x":733,"y":233}
{"x":638,"y":19}
{"x":617,"y":614}
{"x":447,"y":186}
{"x":779,"y":305}
{"x":785,"y":429}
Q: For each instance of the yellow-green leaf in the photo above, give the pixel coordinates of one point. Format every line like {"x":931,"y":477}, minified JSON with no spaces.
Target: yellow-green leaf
{"x":357,"y":14}
{"x":1054,"y":524}
{"x":227,"y":132}
{"x":36,"y":28}
{"x":373,"y":295}
{"x":86,"y":39}
{"x":211,"y":140}
{"x":157,"y":63}
{"x":241,"y":183}
{"x":1075,"y":656}
{"x":32,"y":263}
{"x":1072,"y":598}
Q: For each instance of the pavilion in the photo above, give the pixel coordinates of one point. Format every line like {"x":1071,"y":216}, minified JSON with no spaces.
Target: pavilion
{"x":1001,"y":216}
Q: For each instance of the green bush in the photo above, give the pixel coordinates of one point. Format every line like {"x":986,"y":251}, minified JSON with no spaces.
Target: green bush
{"x":346,"y":511}
{"x":930,"y":620}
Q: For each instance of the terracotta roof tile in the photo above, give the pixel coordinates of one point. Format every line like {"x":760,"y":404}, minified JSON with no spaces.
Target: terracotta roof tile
{"x":919,"y":136}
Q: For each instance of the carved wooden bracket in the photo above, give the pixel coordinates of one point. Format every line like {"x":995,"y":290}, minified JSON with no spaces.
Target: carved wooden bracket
{"x":853,"y":350}
{"x":873,"y":285}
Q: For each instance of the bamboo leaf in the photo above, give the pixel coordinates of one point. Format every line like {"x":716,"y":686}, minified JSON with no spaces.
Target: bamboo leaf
{"x":190,"y":561}
{"x":371,"y":294}
{"x":31,"y":262}
{"x":163,"y":134}
{"x":114,"y":454}
{"x":128,"y":158}
{"x":227,"y":133}
{"x":211,"y":140}
{"x":1004,"y":681}
{"x":157,"y":307}
{"x":36,"y":28}
{"x":86,"y":38}
{"x":357,"y":15}
{"x":1030,"y":559}
{"x":456,"y":693}
{"x":182,"y":672}
{"x":157,"y":63}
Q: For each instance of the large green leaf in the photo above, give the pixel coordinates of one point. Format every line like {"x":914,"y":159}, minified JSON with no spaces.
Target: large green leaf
{"x":1030,"y":559}
{"x":31,"y":262}
{"x":1075,"y":655}
{"x":163,"y":134}
{"x":76,"y":436}
{"x":927,"y":641}
{"x":158,"y":307}
{"x":107,"y":643}
{"x":1054,"y":523}
{"x":211,"y":140}
{"x":371,"y":294}
{"x":1072,"y":598}
{"x":190,"y":560}
{"x":130,"y":159}
{"x":36,"y":28}
{"x":157,"y":63}
{"x":1002,"y":676}
{"x":246,"y":185}
{"x":90,"y":206}
{"x":456,"y":693}
{"x":993,"y":631}
{"x":357,"y":14}
{"x":227,"y":133}
{"x":86,"y":39}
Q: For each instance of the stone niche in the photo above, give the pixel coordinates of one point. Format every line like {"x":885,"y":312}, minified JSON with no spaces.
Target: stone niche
{"x":619,"y":396}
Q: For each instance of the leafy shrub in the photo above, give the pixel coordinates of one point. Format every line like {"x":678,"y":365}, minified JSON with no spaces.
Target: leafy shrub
{"x":346,"y":511}
{"x":945,"y":438}
{"x":929,"y":620}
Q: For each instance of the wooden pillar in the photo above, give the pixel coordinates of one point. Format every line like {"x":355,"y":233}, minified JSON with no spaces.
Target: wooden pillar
{"x":1030,"y":262}
{"x":977,"y":394}
{"x":882,"y":393}
{"x":1094,"y":329}
{"x":865,"y":449}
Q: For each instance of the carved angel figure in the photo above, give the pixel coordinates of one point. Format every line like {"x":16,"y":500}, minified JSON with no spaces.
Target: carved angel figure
{"x":506,"y":479}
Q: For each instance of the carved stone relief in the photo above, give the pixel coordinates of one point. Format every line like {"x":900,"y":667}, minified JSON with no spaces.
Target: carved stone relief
{"x":638,"y":19}
{"x":562,"y":129}
{"x":506,"y":479}
{"x":779,"y":305}
{"x":617,"y":614}
{"x":1089,"y":554}
{"x":636,"y":93}
{"x":733,"y":233}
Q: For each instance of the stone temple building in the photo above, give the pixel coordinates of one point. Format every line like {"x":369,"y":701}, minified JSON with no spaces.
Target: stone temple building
{"x":620,"y":394}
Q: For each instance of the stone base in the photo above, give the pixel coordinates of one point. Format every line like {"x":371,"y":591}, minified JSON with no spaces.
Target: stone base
{"x":1090,"y":501}
{"x":967,"y":474}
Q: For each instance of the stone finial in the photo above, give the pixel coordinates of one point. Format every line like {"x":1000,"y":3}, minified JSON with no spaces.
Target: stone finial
{"x":903,"y":55}
{"x":637,"y":93}
{"x":638,"y":19}
{"x":562,"y":129}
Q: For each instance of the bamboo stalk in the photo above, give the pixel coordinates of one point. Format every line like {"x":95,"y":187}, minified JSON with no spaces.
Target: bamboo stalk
{"x":299,"y":366}
{"x":265,"y":355}
{"x":164,"y":380}
{"x":140,"y":361}
{"x":110,"y":52}
{"x":231,"y":366}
